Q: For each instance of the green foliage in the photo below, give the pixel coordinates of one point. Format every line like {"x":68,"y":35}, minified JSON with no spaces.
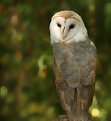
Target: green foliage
{"x":27,"y":90}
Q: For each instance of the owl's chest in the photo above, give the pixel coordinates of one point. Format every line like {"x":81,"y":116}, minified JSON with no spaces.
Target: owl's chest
{"x":76,"y":55}
{"x":69,"y":53}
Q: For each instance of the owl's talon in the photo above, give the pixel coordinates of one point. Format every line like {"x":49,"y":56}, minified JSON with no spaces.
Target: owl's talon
{"x":63,"y":118}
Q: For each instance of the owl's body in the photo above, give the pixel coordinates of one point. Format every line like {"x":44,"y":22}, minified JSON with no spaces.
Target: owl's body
{"x":74,"y":65}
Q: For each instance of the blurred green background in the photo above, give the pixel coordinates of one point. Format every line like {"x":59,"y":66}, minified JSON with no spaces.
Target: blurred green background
{"x":27,"y":90}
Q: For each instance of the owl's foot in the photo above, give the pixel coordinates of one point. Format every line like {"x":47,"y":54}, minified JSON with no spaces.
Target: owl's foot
{"x":78,"y":118}
{"x":89,"y":119}
{"x":85,"y":118}
{"x":63,"y":118}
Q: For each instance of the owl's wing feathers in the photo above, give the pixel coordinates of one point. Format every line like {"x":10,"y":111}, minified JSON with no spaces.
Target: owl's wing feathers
{"x":89,"y":67}
{"x":75,"y":62}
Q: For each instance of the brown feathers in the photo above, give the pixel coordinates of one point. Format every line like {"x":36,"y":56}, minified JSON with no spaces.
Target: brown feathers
{"x":67,"y":14}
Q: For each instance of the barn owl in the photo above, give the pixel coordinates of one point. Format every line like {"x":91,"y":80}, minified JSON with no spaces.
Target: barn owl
{"x":74,"y":64}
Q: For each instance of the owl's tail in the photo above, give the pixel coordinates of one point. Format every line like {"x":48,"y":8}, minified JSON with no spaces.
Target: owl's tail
{"x":76,"y":108}
{"x":78,"y":113}
{"x":76,"y":103}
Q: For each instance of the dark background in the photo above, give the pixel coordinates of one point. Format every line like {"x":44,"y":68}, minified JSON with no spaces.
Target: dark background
{"x":27,"y":90}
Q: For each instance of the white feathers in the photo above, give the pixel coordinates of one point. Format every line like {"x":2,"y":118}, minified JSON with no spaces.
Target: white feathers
{"x":92,"y":43}
{"x":77,"y":38}
{"x":68,"y":29}
{"x":55,"y":32}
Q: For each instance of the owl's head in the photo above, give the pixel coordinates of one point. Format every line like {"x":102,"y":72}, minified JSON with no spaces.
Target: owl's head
{"x":67,"y":26}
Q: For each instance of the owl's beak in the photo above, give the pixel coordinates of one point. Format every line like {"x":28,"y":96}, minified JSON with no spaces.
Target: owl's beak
{"x":63,"y":33}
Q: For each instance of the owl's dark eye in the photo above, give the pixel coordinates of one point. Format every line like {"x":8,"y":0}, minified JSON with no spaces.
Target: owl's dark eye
{"x":71,"y":26}
{"x":58,"y":25}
